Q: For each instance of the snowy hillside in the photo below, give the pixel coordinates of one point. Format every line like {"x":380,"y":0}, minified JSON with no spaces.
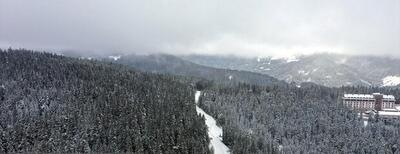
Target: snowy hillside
{"x":391,"y":81}
{"x":331,"y":70}
{"x":214,"y":132}
{"x":115,"y":57}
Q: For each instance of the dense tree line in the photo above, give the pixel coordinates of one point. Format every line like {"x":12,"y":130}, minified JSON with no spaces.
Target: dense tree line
{"x":51,"y":103}
{"x":287,"y":119}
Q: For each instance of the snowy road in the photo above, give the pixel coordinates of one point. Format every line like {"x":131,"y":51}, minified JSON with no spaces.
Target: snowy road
{"x":214,"y":132}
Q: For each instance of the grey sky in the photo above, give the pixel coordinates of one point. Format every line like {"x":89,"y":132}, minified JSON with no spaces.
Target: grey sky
{"x":245,"y":27}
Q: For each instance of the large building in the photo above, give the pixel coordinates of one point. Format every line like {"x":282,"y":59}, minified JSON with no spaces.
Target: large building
{"x":366,"y":102}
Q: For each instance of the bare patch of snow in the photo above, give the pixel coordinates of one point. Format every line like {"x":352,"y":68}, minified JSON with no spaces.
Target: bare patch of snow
{"x":263,"y":68}
{"x":302,"y":72}
{"x":115,"y":57}
{"x":366,"y":82}
{"x":280,"y":147}
{"x":230,"y":77}
{"x":197,"y":96}
{"x":288,"y":59}
{"x":365,"y":123}
{"x":391,"y":81}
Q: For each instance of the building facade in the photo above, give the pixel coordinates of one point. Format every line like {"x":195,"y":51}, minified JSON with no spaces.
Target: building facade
{"x":366,"y":102}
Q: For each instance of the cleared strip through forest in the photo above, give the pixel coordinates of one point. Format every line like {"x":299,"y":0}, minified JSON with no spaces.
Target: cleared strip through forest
{"x":214,"y":132}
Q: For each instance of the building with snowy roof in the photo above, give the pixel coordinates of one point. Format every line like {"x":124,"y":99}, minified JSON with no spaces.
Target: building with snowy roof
{"x":375,"y":101}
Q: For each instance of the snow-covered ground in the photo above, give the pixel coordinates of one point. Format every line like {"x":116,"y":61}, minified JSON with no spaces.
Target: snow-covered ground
{"x":287,"y":58}
{"x":391,"y":81}
{"x":197,"y":96}
{"x":366,"y":82}
{"x":214,"y":132}
{"x":365,"y":123}
{"x":115,"y":57}
{"x":364,"y":119}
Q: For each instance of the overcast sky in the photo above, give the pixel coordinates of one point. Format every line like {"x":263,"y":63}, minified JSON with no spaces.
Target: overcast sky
{"x":245,"y":27}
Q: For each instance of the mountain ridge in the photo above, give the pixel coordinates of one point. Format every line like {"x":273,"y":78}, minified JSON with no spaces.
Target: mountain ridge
{"x":331,"y":70}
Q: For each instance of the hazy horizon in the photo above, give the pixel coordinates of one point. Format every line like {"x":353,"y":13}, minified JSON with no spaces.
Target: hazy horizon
{"x":241,"y":28}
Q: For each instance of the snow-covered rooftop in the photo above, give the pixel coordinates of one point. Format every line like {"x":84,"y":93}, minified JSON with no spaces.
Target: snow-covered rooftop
{"x":358,"y":96}
{"x":368,"y":96}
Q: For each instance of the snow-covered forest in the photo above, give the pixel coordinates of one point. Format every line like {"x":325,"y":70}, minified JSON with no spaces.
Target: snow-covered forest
{"x":287,"y":119}
{"x":200,"y":76}
{"x":54,"y":104}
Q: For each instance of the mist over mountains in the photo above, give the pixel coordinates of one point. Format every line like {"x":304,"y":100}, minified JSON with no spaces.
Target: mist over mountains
{"x":243,"y":28}
{"x":325,"y":69}
{"x":328,"y":69}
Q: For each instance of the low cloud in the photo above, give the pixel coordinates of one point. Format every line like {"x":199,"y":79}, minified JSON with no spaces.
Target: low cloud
{"x":245,"y":28}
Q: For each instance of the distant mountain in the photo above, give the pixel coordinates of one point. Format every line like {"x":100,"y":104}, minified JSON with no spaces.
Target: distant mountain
{"x":168,"y":64}
{"x":326,"y":69}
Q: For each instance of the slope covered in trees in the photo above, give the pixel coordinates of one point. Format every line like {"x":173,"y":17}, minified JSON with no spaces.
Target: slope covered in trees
{"x":169,"y":64}
{"x":51,"y":103}
{"x":287,"y":119}
{"x":279,"y":117}
{"x":332,"y":70}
